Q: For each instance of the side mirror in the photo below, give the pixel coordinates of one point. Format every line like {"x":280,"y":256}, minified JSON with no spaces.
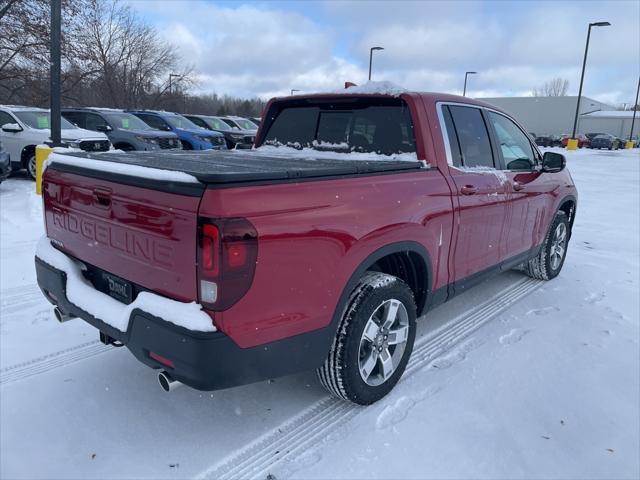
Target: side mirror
{"x":103,"y":128}
{"x":11,"y":128}
{"x":520,"y":164}
{"x":553,"y":162}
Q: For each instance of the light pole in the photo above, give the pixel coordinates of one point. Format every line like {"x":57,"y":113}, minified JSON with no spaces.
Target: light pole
{"x":54,"y":86}
{"x":293,"y":90}
{"x":466,"y":74}
{"x":633,"y":119}
{"x":371,"y":58}
{"x":573,"y":143}
{"x":171,"y":75}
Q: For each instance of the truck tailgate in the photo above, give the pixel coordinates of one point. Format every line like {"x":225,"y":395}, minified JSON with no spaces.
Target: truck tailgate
{"x":145,"y":236}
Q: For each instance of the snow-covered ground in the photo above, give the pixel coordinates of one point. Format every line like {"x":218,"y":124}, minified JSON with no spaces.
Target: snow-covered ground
{"x":514,"y":379}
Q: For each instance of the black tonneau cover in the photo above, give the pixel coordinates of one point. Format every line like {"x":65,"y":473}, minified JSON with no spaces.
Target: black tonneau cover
{"x":231,"y":167}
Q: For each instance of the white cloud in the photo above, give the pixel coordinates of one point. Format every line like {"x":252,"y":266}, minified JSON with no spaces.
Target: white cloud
{"x":258,"y":49}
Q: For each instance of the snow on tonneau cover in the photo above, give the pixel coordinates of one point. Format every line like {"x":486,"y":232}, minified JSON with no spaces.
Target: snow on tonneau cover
{"x":135,"y":215}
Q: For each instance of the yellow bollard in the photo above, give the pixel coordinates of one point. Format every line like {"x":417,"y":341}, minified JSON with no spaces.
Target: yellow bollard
{"x":572,"y":144}
{"x":629,"y":144}
{"x":42,"y":152}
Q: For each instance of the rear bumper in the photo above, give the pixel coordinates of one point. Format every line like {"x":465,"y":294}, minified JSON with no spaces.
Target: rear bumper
{"x":203,"y":360}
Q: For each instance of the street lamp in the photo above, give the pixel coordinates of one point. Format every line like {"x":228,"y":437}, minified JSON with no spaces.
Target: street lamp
{"x":574,"y":143}
{"x":171,"y":75}
{"x":466,"y":74}
{"x":633,"y":119}
{"x":371,"y":58}
{"x":293,"y":90}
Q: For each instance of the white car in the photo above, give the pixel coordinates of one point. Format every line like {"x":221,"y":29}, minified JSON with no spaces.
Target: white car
{"x":22,"y":128}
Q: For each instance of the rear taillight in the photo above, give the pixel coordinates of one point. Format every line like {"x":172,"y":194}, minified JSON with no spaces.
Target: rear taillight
{"x":227,"y":254}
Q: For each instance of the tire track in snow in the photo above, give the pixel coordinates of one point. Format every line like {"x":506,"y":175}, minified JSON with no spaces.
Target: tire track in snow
{"x":312,"y":425}
{"x":51,"y":361}
{"x":17,"y":299}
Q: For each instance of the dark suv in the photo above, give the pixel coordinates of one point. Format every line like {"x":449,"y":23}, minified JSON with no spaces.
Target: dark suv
{"x":126,"y":131}
{"x":235,"y":138}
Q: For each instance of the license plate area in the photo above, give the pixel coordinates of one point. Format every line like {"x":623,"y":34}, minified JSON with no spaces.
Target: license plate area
{"x":115,"y":287}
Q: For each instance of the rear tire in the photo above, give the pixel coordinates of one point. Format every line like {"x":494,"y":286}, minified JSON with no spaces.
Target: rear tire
{"x":548,"y":263}
{"x":374,"y":340}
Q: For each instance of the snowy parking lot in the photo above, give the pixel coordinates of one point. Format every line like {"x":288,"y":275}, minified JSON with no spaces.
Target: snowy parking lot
{"x":516,"y":378}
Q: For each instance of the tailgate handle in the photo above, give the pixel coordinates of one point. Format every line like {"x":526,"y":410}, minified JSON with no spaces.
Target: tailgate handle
{"x":102,"y":197}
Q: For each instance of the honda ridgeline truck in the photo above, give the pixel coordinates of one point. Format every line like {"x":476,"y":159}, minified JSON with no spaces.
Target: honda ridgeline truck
{"x":357,"y":213}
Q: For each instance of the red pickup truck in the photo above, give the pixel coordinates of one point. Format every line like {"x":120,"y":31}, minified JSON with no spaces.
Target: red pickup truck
{"x":355,"y":214}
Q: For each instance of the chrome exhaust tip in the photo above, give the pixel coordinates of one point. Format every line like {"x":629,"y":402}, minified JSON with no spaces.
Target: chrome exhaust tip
{"x":61,"y":316}
{"x":167,"y":382}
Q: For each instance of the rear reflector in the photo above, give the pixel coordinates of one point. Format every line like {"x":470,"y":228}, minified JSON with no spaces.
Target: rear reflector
{"x":160,"y":359}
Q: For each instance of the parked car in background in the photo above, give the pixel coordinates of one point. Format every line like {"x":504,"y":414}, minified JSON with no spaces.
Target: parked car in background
{"x":191,"y":136}
{"x":277,"y":263}
{"x":22,"y":128}
{"x":125,"y":131}
{"x":5,"y":164}
{"x":583,"y":141}
{"x":548,"y":140}
{"x":240,"y":123}
{"x":593,"y":135}
{"x":234,"y":138}
{"x":256,"y":120}
{"x":607,"y":141}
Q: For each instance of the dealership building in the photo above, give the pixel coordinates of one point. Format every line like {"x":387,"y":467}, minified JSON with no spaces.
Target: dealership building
{"x":554,"y":115}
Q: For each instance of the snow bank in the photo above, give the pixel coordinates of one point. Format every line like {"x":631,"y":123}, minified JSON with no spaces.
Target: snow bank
{"x":287,"y":152}
{"x":82,"y":294}
{"x":371,"y":87}
{"x":122,"y":168}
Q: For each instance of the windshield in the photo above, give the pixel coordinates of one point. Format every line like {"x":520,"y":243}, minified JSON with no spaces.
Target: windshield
{"x":41,"y":120}
{"x":178,"y":121}
{"x":216,"y":123}
{"x":126,"y":121}
{"x":245,"y":124}
{"x":361,"y":125}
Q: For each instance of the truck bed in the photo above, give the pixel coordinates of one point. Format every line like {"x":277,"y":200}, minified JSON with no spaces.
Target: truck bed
{"x":231,"y":167}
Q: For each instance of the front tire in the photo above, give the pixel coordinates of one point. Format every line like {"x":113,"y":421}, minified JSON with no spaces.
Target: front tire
{"x":374,"y":340}
{"x":548,"y":263}
{"x":30,"y":165}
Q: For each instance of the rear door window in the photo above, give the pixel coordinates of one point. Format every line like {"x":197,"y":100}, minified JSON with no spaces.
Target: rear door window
{"x":153,"y":121}
{"x":77,"y":118}
{"x":93,"y":121}
{"x":473,"y":136}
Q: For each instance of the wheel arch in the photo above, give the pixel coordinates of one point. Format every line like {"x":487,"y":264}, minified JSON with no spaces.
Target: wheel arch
{"x":26,"y":153}
{"x":407,"y":260}
{"x":126,"y":145}
{"x":568,"y":205}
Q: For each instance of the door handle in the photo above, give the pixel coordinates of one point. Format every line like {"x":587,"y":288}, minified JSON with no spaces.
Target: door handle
{"x":517,"y":186}
{"x":468,"y":190}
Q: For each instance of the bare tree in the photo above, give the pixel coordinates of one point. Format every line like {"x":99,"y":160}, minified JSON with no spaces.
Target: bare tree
{"x":556,"y":87}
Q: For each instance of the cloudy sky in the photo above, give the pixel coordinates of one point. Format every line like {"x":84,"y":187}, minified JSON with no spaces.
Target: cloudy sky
{"x":267,"y":48}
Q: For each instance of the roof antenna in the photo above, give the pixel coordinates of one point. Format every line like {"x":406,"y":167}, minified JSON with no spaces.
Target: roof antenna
{"x":349,"y":84}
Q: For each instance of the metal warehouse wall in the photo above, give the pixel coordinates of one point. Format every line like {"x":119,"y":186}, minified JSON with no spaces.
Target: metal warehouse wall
{"x":547,"y":115}
{"x":619,"y":127}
